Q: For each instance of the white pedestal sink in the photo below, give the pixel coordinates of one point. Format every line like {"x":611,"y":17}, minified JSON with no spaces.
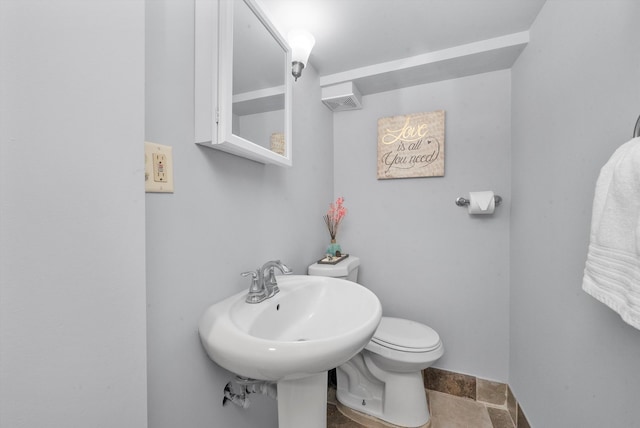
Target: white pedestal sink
{"x":312,"y":325}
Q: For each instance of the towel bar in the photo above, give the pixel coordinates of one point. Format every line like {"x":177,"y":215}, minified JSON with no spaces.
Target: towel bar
{"x":462,"y":202}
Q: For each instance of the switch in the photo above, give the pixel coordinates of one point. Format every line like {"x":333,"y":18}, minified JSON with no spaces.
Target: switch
{"x":158,"y":168}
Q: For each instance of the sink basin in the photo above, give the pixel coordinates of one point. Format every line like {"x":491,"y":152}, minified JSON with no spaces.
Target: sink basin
{"x":312,"y":325}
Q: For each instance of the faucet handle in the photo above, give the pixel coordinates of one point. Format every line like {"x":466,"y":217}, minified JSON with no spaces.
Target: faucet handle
{"x":256,"y":293}
{"x":251,"y":272}
{"x":255,"y":288}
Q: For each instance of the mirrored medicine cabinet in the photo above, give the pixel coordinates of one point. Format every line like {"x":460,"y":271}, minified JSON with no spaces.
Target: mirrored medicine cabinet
{"x":243,"y":83}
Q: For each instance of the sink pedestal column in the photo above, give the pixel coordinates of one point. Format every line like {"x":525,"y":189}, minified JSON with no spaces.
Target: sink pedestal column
{"x":303,"y":402}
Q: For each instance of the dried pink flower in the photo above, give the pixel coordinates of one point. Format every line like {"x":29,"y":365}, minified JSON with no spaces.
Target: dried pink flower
{"x":334,"y":216}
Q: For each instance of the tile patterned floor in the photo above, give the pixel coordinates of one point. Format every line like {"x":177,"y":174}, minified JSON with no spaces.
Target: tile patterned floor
{"x":447,"y":411}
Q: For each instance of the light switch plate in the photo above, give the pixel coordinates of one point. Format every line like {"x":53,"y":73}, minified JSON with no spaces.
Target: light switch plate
{"x":158,"y":168}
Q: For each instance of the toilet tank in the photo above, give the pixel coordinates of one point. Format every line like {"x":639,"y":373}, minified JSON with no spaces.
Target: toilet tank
{"x":345,"y":269}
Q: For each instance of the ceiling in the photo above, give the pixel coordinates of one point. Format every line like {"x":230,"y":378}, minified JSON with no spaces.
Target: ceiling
{"x":386,"y":44}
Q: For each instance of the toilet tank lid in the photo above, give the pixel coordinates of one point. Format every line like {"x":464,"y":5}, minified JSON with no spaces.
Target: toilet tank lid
{"x":404,"y":333}
{"x":343,"y":268}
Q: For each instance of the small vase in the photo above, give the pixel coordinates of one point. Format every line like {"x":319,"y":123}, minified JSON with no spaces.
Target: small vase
{"x":334,"y":249}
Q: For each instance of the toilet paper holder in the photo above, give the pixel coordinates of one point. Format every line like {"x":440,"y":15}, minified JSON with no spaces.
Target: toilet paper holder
{"x":463,"y":202}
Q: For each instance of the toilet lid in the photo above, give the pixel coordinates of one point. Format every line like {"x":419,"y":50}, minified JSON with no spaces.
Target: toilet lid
{"x":405,"y":335}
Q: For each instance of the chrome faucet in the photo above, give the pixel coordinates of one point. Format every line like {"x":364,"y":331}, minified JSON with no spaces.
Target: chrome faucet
{"x":263,"y":287}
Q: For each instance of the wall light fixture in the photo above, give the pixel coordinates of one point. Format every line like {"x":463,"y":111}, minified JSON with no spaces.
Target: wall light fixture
{"x":301,"y":43}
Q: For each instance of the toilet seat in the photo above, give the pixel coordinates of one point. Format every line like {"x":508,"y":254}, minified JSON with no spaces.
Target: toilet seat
{"x":405,"y":336}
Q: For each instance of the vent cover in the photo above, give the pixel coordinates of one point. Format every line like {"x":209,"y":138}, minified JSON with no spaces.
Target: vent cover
{"x":349,"y":102}
{"x":341,"y":97}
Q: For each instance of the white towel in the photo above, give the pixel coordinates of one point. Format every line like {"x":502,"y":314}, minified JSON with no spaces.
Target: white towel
{"x":612,"y":271}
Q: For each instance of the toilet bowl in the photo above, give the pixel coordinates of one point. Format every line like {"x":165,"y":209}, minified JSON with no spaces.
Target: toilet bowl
{"x":385,"y":379}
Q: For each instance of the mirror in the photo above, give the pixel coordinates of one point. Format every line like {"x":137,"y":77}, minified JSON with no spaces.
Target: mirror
{"x":254,"y":85}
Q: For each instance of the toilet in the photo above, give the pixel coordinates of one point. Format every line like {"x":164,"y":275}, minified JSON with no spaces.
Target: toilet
{"x":385,"y":379}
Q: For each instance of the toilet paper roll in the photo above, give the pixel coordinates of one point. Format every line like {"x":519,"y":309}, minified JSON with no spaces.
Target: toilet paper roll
{"x":482,"y":202}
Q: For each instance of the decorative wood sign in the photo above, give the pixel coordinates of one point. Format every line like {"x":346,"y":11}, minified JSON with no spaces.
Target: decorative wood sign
{"x":411,"y":145}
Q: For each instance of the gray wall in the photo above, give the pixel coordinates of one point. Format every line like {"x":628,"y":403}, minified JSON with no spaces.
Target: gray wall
{"x":424,"y":256}
{"x":72,"y":279}
{"x":227,"y":215}
{"x":576,"y":96}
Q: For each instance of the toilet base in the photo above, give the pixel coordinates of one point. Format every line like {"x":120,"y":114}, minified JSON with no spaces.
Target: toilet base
{"x":367,"y":420}
{"x":401,"y":399}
